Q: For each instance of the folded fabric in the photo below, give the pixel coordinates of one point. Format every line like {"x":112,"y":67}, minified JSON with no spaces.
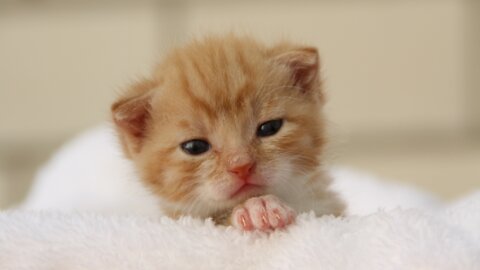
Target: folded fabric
{"x":448,"y":238}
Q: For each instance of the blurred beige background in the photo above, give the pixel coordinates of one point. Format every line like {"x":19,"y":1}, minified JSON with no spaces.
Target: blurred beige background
{"x":403,"y":77}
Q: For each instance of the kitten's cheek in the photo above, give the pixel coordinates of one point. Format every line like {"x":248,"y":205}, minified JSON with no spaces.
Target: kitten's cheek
{"x":282,"y":170}
{"x":214,"y":194}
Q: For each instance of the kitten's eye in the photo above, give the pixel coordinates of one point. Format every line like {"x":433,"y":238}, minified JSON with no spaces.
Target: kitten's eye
{"x":269,"y":128}
{"x":195,"y":147}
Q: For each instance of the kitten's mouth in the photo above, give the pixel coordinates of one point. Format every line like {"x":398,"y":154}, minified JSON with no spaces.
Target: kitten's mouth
{"x":246,"y":189}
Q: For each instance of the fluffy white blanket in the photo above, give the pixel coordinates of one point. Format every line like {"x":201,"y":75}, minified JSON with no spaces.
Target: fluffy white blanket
{"x":116,"y":227}
{"x":397,"y":239}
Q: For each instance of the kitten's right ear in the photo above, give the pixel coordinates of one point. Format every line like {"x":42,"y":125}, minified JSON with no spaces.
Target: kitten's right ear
{"x":131,"y":116}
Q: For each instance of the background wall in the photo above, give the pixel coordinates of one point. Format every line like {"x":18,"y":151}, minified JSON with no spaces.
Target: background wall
{"x":402,"y":76}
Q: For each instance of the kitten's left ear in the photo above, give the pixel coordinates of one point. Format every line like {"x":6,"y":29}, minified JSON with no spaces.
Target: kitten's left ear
{"x":303,"y":64}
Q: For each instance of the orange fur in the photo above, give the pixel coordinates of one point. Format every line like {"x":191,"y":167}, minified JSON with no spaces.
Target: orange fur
{"x":220,"y":89}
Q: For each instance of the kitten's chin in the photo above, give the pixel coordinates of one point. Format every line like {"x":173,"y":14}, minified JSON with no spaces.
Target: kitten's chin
{"x":238,"y":195}
{"x":232,"y":191}
{"x":245,"y":191}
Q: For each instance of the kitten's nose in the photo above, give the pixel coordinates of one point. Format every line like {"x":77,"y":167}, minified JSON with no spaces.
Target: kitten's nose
{"x":243,"y":171}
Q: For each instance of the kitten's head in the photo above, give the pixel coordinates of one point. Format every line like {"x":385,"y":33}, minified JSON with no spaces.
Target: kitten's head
{"x":224,"y":119}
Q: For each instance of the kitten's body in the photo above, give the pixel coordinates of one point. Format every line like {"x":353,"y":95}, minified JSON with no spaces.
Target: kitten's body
{"x":220,"y":91}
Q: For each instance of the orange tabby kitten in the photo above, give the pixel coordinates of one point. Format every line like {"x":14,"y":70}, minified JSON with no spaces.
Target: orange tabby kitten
{"x":231,"y":129}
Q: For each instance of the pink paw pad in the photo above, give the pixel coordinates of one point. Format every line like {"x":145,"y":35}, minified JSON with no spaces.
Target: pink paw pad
{"x":263,"y":213}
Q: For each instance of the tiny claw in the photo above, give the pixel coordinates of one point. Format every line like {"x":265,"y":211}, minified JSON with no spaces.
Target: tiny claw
{"x":279,"y":220}
{"x":243,"y":221}
{"x":265,"y":219}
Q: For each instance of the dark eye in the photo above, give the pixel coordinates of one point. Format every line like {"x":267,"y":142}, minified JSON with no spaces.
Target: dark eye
{"x":195,"y":147}
{"x":269,"y":128}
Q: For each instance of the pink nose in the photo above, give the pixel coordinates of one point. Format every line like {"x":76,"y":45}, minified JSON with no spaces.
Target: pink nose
{"x":243,"y":171}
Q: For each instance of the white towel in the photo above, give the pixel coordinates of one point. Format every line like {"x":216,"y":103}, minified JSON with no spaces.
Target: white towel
{"x":397,"y":239}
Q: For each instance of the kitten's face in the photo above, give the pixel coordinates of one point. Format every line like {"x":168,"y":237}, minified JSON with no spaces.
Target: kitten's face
{"x":226,"y":120}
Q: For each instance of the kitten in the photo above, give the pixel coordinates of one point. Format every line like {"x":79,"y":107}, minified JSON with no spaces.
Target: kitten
{"x":231,"y":129}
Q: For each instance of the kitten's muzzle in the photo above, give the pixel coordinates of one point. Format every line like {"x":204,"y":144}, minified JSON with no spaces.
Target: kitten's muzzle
{"x":246,"y":189}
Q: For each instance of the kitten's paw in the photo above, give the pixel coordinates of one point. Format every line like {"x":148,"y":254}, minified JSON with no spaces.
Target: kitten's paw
{"x":263,"y":213}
